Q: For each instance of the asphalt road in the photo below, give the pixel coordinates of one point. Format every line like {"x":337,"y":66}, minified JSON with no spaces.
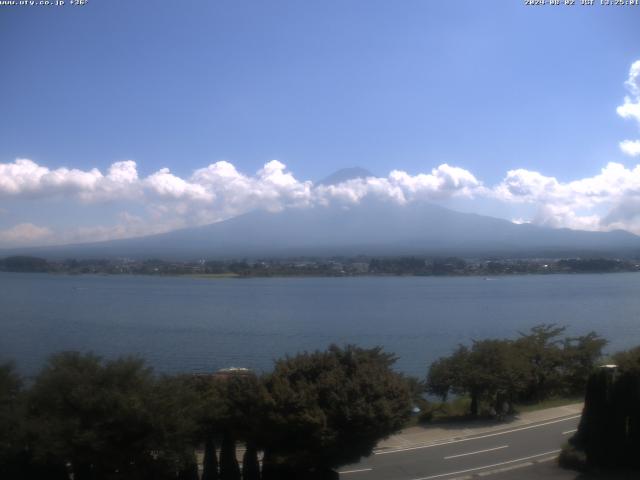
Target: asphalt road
{"x":468,"y":455}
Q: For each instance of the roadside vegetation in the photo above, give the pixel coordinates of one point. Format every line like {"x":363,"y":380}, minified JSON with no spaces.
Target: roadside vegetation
{"x":497,"y":375}
{"x":86,"y":418}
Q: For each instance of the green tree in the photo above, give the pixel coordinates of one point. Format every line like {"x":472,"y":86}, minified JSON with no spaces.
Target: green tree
{"x":246,"y":404}
{"x":489,"y":371}
{"x":535,"y":366}
{"x":446,"y":375}
{"x":495,"y":373}
{"x":229,"y":468}
{"x":542,"y":349}
{"x":628,"y":361}
{"x":93,"y":416}
{"x":210,"y":460}
{"x":580,"y":357}
{"x":14,"y":456}
{"x":331,"y":408}
{"x":609,"y":430}
{"x":250,"y":464}
{"x":210,"y":410}
{"x":10,"y":390}
{"x":175,"y":405}
{"x":111,"y":419}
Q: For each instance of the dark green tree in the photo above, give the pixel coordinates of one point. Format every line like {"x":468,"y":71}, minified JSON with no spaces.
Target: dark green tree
{"x":111,"y":419}
{"x":91,"y":415}
{"x":609,"y":430}
{"x":489,"y":371}
{"x":229,"y":468}
{"x":210,"y":460}
{"x":579,"y":358}
{"x":495,"y":373}
{"x":175,"y":405}
{"x":242,"y":407}
{"x":211,"y":408}
{"x":628,"y":361}
{"x":542,"y":349}
{"x":331,"y":408}
{"x":250,"y":464}
{"x":15,"y":460}
{"x":189,"y":469}
{"x":446,"y":374}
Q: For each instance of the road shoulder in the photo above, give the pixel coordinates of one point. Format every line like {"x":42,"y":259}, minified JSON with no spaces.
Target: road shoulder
{"x":432,"y":434}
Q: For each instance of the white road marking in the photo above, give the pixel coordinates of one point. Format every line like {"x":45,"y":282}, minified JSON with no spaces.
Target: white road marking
{"x":356,"y":471}
{"x":570,"y":431}
{"x":487,"y":466}
{"x":478,"y":437}
{"x":479,"y":451}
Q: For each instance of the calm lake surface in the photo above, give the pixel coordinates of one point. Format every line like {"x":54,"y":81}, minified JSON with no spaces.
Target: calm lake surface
{"x":200,"y":325}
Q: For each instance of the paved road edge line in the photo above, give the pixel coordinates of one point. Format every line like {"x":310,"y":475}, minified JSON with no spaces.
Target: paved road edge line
{"x":547,"y":456}
{"x":473,"y":436}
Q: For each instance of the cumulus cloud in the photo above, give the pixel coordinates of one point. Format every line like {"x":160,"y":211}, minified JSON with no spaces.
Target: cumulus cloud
{"x":215,"y":192}
{"x":25,"y":178}
{"x":272,"y":188}
{"x":563,"y":216}
{"x":630,"y":109}
{"x":165,"y":184}
{"x":577,"y":204}
{"x":630,"y":147}
{"x":399,"y":186}
{"x":605,"y":201}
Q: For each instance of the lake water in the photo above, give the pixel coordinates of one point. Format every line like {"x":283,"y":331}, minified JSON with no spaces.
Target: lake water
{"x":200,"y":325}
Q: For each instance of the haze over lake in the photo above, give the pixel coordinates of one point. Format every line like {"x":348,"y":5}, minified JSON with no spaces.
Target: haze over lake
{"x":200,"y":325}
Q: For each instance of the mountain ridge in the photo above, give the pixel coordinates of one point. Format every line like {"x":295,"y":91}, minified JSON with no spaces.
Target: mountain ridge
{"x":370,"y":228}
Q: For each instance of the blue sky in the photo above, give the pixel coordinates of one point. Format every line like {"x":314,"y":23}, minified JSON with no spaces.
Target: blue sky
{"x":485,"y":87}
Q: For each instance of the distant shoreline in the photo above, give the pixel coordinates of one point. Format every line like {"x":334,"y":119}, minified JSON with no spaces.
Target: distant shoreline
{"x":413,"y":266}
{"x":228,"y":276}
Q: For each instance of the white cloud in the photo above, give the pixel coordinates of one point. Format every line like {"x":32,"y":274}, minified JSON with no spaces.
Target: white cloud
{"x":630,"y":109}
{"x":613,"y":181}
{"x":26,"y":178}
{"x":633,"y":82}
{"x":215,"y":192}
{"x":578,"y":204}
{"x":630,"y":147}
{"x":127,"y":226}
{"x":123,"y":172}
{"x":24,"y":234}
{"x":631,"y":106}
{"x":607,"y":200}
{"x":526,"y":186}
{"x":443,"y":182}
{"x":562,"y":216}
{"x":165,"y":184}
